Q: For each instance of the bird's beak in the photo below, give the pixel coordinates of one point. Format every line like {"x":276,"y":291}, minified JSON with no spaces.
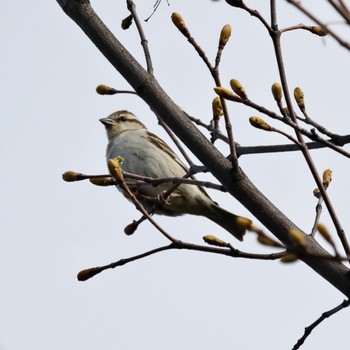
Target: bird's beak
{"x":106,"y":121}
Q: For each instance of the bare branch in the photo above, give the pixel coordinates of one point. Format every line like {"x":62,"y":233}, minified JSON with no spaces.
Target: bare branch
{"x":229,"y":251}
{"x":144,"y":42}
{"x":237,"y":183}
{"x":325,"y":315}
{"x":340,"y":40}
{"x":275,"y":36}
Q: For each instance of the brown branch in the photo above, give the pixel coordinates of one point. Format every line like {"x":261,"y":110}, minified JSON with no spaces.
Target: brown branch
{"x":325,"y":315}
{"x":276,"y":36}
{"x":214,"y":71}
{"x":337,"y":140}
{"x":341,"y":9}
{"x":293,"y":123}
{"x":237,"y":184}
{"x":229,"y":251}
{"x":119,"y":177}
{"x":144,"y":42}
{"x":335,"y":36}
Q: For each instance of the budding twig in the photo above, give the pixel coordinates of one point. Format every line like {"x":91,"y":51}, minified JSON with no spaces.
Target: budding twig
{"x":325,"y":315}
{"x":144,"y":42}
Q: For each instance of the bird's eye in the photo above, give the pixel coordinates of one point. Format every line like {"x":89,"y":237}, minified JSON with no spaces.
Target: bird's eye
{"x":122,"y":119}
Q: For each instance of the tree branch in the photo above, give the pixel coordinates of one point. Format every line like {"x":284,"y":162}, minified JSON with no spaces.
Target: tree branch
{"x":236,"y":183}
{"x":325,"y":315}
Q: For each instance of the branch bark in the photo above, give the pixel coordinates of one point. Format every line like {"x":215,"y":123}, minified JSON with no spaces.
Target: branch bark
{"x":236,"y":183}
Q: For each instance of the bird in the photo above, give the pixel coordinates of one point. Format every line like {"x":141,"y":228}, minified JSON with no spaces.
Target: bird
{"x":145,"y":154}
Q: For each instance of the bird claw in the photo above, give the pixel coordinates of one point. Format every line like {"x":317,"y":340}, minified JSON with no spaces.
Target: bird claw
{"x":164,"y":200}
{"x":167,"y":200}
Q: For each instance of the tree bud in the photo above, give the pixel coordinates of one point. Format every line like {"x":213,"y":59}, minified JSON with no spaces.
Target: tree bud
{"x":225,"y":35}
{"x":238,"y":88}
{"x":225,"y":93}
{"x":114,"y":167}
{"x":212,"y":240}
{"x":179,"y":22}
{"x":318,"y":30}
{"x":327,"y":177}
{"x":289,"y":258}
{"x":105,"y":90}
{"x":299,"y":97}
{"x":84,"y":275}
{"x":71,"y":176}
{"x":322,"y":229}
{"x":259,"y":123}
{"x":297,"y":237}
{"x":277,"y":92}
{"x":217,"y":107}
{"x":126,"y":22}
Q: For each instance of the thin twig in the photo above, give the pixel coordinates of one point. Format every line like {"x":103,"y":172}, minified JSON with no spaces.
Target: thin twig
{"x":229,"y":251}
{"x":337,"y":140}
{"x":340,"y":40}
{"x":89,"y":273}
{"x":275,"y":35}
{"x":176,"y":141}
{"x":288,"y":121}
{"x":341,"y":9}
{"x":319,"y":127}
{"x":173,"y":180}
{"x":318,"y":210}
{"x":289,"y":137}
{"x":325,"y":315}
{"x":214,"y":71}
{"x":144,"y":42}
{"x":122,"y":183}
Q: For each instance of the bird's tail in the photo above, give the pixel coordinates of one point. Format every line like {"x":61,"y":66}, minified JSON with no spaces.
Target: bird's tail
{"x":232,"y":223}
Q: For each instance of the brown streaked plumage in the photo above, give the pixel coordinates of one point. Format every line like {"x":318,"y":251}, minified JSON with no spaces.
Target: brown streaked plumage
{"x":146,"y":154}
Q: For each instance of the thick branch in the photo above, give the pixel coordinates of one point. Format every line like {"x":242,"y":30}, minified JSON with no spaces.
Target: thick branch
{"x":236,"y":183}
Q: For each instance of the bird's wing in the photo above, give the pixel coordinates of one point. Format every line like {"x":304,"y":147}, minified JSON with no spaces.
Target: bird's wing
{"x":166,"y":149}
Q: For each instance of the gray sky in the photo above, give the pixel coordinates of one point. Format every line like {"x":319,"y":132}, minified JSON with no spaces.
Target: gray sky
{"x":50,"y":229}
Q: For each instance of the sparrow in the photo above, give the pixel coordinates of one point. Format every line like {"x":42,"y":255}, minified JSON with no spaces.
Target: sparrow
{"x":145,"y":154}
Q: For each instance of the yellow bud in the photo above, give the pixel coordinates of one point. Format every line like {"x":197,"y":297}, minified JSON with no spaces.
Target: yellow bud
{"x":327,"y":177}
{"x":84,"y":275}
{"x":226,"y":93}
{"x":322,"y":229}
{"x":299,"y":97}
{"x":212,"y":240}
{"x":243,"y":223}
{"x":238,"y":88}
{"x":127,"y":22}
{"x":259,"y":123}
{"x":105,"y":90}
{"x":71,"y":176}
{"x":297,"y":237}
{"x":130,"y":229}
{"x":289,"y":258}
{"x":276,"y":92}
{"x":265,"y":240}
{"x":225,"y":35}
{"x":217,"y":108}
{"x":114,"y":167}
{"x":102,"y":181}
{"x":179,"y":23}
{"x":318,"y":30}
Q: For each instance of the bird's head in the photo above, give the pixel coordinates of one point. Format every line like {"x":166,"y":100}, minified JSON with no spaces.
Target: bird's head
{"x":121,"y":121}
